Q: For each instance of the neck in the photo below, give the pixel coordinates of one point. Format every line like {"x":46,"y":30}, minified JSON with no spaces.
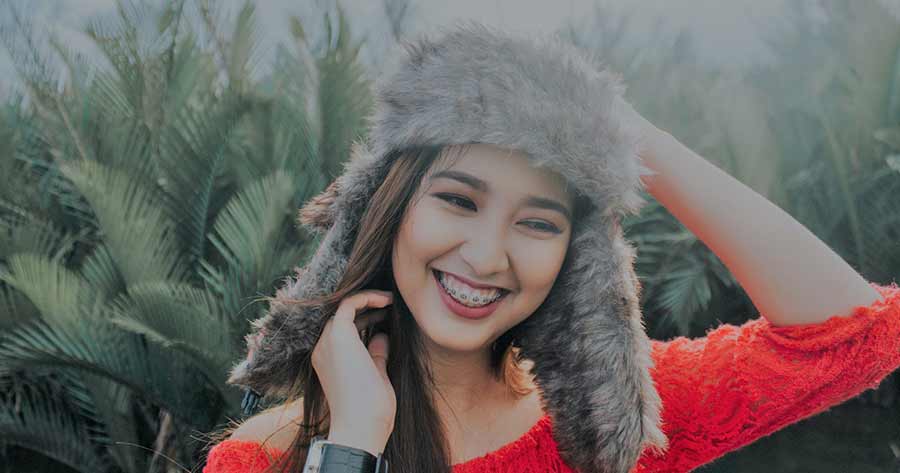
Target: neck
{"x":464,"y":383}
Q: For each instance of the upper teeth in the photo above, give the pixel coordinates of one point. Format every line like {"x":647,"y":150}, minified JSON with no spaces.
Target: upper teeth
{"x":465,"y":293}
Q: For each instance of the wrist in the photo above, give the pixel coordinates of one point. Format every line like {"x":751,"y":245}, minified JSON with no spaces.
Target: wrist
{"x":655,"y":146}
{"x":341,"y":454}
{"x":356,"y":439}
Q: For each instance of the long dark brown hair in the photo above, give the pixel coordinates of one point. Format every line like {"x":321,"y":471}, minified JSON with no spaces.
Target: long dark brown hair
{"x":417,"y":443}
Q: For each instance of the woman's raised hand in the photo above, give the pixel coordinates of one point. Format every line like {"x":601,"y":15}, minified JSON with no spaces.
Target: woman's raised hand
{"x":647,"y":132}
{"x":361,"y":399}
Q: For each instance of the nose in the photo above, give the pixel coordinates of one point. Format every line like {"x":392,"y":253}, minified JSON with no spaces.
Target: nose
{"x":485,"y":252}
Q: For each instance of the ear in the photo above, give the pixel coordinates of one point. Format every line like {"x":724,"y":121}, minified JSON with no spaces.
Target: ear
{"x":317,"y":214}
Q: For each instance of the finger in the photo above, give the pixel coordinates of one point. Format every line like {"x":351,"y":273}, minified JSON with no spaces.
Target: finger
{"x":346,"y":312}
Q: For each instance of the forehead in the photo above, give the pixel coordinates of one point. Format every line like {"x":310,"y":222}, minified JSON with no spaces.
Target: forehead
{"x":498,"y":165}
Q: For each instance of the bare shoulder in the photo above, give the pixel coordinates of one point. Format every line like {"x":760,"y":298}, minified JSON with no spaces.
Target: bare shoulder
{"x":276,"y":426}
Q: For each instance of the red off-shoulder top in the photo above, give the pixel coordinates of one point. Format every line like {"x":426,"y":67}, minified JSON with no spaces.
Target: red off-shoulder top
{"x":719,"y":392}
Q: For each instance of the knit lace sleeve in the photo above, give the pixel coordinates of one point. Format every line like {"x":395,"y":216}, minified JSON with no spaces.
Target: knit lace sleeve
{"x":239,"y":456}
{"x":740,"y":383}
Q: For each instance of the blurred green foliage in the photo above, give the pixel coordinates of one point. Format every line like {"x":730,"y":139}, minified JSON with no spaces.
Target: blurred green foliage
{"x":149,"y":200}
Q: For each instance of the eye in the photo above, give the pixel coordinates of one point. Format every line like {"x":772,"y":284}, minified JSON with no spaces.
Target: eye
{"x":456,"y":199}
{"x":543,"y":226}
{"x":463,"y":202}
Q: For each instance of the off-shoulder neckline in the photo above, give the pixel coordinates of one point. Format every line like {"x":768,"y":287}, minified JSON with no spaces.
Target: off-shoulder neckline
{"x":513,"y":449}
{"x":527,"y":441}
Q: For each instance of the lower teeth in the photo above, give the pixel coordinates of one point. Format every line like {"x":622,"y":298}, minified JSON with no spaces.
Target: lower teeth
{"x":471,"y":304}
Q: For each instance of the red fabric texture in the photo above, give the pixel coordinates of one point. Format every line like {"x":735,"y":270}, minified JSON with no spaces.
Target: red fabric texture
{"x":720,"y":392}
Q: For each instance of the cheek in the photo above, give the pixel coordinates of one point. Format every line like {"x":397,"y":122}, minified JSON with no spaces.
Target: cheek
{"x":537,"y":270}
{"x":425,"y":234}
{"x":421,"y":239}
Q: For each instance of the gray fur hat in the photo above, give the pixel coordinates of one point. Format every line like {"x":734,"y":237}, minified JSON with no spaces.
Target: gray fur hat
{"x":542,"y":96}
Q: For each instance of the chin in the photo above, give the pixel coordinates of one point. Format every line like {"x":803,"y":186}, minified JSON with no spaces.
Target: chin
{"x":458,"y":346}
{"x":450,"y":333}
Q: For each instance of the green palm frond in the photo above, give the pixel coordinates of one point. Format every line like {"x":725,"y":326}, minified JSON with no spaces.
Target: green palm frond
{"x":816,"y":205}
{"x":35,"y":236}
{"x":100,"y":348}
{"x":249,"y":233}
{"x":99,"y":270}
{"x":879,"y":217}
{"x":136,"y":229}
{"x":126,"y":144}
{"x":683,"y":293}
{"x":149,"y":173}
{"x":108,"y":95}
{"x":287,"y":97}
{"x":121,"y":440}
{"x":345,"y":97}
{"x":178,"y":316}
{"x":61,"y":295}
{"x":26,"y":50}
{"x":244,"y":52}
{"x":15,"y":308}
{"x":192,"y":150}
{"x":38,"y":419}
{"x":296,"y":148}
{"x":678,"y":273}
{"x":119,"y":41}
{"x":191,"y":73}
{"x":77,"y":64}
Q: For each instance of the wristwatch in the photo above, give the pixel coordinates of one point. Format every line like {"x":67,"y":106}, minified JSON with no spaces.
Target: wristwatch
{"x":325,"y":456}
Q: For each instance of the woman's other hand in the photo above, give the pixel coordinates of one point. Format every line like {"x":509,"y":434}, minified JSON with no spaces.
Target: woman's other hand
{"x":647,"y":133}
{"x":361,"y":400}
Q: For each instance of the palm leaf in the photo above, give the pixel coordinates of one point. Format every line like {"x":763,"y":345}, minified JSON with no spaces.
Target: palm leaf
{"x":39,"y":421}
{"x":683,"y":293}
{"x":136,"y":229}
{"x":15,"y":308}
{"x":179,"y":317}
{"x":249,"y":234}
{"x":60,"y":294}
{"x":117,"y":419}
{"x":100,"y":271}
{"x":34,"y":236}
{"x":192,"y":150}
{"x":99,"y":347}
{"x":244,"y":52}
{"x":345,"y":97}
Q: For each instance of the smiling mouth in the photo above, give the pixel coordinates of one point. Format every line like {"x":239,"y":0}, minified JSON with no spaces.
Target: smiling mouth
{"x":468,"y":296}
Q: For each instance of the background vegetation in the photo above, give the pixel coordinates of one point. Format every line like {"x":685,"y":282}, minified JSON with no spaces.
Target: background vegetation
{"x":149,"y":197}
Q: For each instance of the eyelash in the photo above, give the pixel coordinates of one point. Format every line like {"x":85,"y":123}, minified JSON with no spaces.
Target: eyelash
{"x":450,"y":198}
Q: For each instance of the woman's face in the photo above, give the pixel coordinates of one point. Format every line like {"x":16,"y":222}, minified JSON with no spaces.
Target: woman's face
{"x":489,"y":218}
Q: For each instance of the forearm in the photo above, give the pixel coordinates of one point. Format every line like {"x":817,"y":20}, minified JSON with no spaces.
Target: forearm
{"x":791,"y":276}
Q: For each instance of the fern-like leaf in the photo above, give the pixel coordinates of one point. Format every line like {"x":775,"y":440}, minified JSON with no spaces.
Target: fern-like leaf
{"x":137,"y":231}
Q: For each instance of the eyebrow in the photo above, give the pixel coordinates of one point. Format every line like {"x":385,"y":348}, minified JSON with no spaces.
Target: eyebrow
{"x":480,"y":185}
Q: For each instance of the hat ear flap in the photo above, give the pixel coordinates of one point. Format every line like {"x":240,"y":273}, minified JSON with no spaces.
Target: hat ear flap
{"x":317,"y":215}
{"x":591,"y":356}
{"x":276,"y":360}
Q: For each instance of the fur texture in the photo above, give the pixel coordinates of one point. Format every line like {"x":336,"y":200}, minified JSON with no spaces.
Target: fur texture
{"x":474,"y":84}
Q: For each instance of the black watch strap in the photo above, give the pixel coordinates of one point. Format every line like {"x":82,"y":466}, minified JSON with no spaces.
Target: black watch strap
{"x":344,"y":459}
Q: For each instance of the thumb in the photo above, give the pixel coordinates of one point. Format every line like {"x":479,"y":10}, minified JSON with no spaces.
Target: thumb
{"x":378,"y":349}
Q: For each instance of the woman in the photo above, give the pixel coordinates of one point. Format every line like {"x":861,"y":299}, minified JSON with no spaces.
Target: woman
{"x":503,"y":333}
